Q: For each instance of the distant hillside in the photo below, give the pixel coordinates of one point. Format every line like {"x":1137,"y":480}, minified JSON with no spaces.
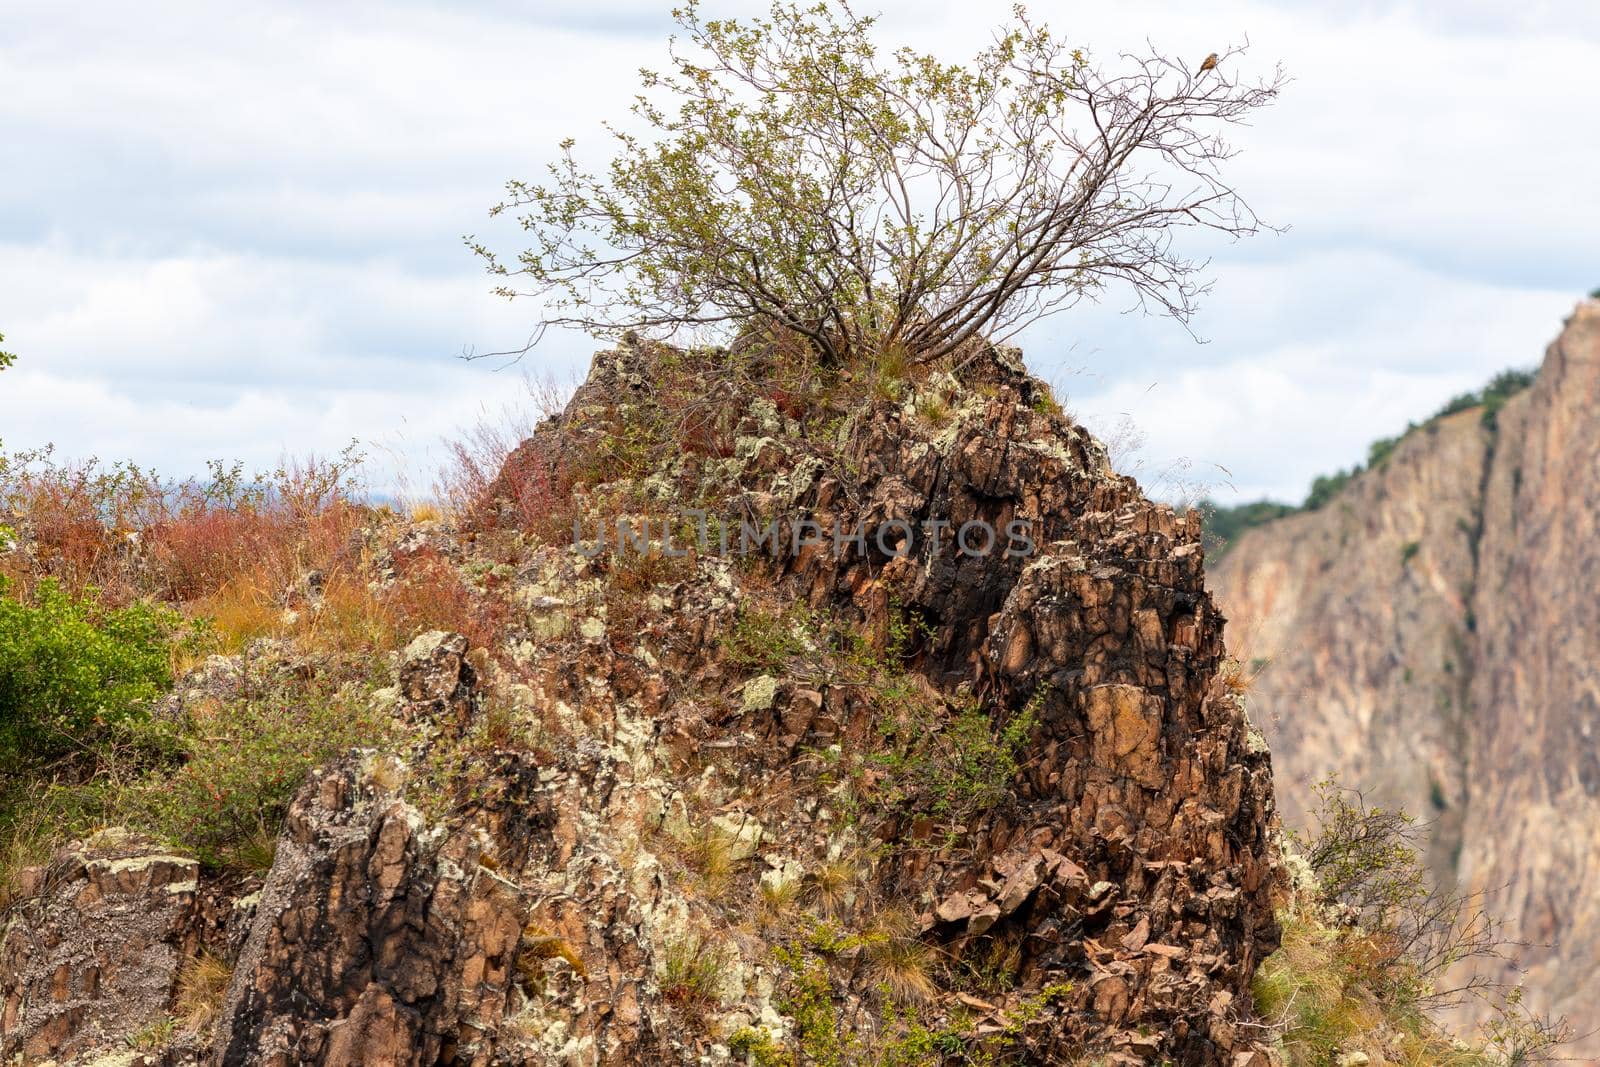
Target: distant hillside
{"x":1224,"y":524}
{"x":1433,"y":636}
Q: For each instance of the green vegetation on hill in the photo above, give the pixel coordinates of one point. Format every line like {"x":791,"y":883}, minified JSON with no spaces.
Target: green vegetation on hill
{"x":73,"y":673}
{"x":1224,"y":524}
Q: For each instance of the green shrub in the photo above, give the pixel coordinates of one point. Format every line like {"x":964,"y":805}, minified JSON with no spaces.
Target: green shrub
{"x":1369,"y":946}
{"x":1383,"y":448}
{"x":241,"y":769}
{"x":1327,"y":486}
{"x":952,"y":767}
{"x":761,"y":641}
{"x":807,"y":997}
{"x":72,"y":673}
{"x":757,"y":1046}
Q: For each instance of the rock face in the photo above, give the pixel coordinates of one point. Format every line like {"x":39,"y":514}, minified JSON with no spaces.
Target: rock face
{"x":374,"y":942}
{"x":91,"y":955}
{"x":1135,"y":862}
{"x":1432,"y":636}
{"x":705,"y":809}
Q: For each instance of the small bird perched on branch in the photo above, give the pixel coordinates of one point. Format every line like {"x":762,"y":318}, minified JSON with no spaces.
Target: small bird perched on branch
{"x":1209,"y":64}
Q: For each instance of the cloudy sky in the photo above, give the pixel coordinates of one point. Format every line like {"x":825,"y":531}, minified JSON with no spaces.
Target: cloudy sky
{"x":235,"y":230}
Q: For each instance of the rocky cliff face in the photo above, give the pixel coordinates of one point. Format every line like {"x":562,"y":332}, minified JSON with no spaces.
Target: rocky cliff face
{"x":1432,"y":637}
{"x":873,"y":805}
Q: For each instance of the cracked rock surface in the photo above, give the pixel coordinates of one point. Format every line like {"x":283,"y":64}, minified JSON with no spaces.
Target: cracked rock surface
{"x":718,"y":809}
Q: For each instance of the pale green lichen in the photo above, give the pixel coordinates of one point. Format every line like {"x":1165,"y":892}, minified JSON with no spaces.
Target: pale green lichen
{"x":766,"y":415}
{"x":760,"y":694}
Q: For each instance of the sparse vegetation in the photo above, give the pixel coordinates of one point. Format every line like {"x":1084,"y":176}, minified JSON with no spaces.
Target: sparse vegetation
{"x":236,"y":772}
{"x":761,"y":641}
{"x":694,"y":969}
{"x":951,"y":766}
{"x":1372,"y":950}
{"x":202,"y":983}
{"x":154,"y":1035}
{"x":795,"y":172}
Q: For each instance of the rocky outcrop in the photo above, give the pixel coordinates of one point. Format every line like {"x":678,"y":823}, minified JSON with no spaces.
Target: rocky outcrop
{"x":1134,"y":862}
{"x":374,"y":941}
{"x":1432,"y":637}
{"x":706,"y":808}
{"x":90,"y":954}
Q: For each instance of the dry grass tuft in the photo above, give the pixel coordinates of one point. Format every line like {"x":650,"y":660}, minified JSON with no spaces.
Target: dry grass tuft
{"x":694,"y":969}
{"x":832,"y":885}
{"x":902,"y":964}
{"x":1237,"y":677}
{"x":202,"y":985}
{"x":539,"y":946}
{"x":776,"y":901}
{"x":708,"y":851}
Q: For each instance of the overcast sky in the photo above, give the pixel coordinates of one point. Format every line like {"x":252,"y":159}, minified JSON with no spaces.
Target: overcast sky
{"x":235,"y":230}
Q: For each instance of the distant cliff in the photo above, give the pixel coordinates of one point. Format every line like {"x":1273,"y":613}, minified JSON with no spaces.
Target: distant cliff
{"x":1432,"y":633}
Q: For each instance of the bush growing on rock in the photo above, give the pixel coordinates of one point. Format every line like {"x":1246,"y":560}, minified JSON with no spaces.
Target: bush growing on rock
{"x":796,"y":173}
{"x":1372,"y":951}
{"x":224,"y":801}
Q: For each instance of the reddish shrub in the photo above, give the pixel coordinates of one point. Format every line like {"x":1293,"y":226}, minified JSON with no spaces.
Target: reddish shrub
{"x":430,"y":594}
{"x":194,"y":554}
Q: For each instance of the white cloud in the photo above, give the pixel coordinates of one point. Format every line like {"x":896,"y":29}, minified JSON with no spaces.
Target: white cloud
{"x":1299,"y":392}
{"x":237,"y":229}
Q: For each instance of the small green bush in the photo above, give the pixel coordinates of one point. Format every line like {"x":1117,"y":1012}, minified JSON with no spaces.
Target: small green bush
{"x":1369,"y":944}
{"x":760,"y":641}
{"x":226,"y":800}
{"x":73,"y":673}
{"x":952,"y":767}
{"x":757,"y":1046}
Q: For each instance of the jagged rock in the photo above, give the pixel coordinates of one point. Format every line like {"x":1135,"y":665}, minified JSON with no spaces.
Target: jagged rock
{"x":549,"y":913}
{"x":375,"y":941}
{"x":1139,"y":757}
{"x":91,"y":951}
{"x":435,"y":677}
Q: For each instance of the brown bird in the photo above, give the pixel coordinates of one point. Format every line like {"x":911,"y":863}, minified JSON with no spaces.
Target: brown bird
{"x":1209,"y":64}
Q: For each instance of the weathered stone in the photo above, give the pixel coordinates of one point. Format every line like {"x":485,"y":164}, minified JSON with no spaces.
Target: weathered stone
{"x":435,"y":676}
{"x":92,"y":948}
{"x":375,"y":942}
{"x":541,"y":918}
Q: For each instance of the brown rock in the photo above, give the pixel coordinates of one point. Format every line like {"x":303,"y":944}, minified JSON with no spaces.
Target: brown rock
{"x":92,"y":949}
{"x":374,"y":941}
